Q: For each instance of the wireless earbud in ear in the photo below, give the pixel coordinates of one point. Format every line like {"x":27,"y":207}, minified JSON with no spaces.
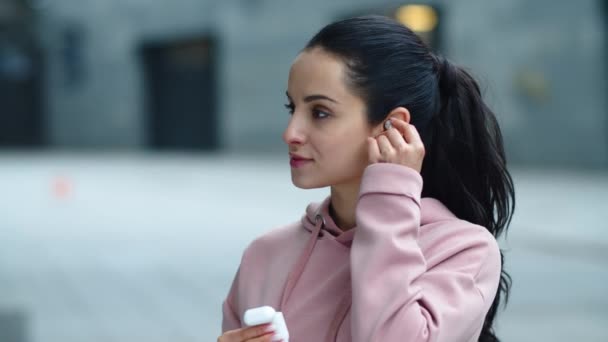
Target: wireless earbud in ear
{"x":387,"y":125}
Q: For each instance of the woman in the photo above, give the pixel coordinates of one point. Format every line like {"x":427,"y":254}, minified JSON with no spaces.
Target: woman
{"x":375,"y":115}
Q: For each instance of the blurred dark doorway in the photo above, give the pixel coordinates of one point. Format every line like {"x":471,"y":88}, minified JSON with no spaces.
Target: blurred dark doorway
{"x":181,"y":94}
{"x":13,"y":326}
{"x":604,"y":5}
{"x":21,"y":81}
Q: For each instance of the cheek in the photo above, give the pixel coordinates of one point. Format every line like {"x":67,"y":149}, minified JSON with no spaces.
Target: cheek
{"x":347,"y":152}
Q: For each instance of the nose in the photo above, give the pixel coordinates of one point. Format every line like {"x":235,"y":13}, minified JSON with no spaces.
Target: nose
{"x":294,"y":133}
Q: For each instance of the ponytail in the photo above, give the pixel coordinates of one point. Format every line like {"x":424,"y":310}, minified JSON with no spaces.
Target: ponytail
{"x":465,"y":165}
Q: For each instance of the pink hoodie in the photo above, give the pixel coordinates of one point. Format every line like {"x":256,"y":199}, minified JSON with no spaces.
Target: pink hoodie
{"x":409,"y":271}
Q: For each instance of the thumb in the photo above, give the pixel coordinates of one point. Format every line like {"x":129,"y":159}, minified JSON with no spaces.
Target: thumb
{"x":373,"y":150}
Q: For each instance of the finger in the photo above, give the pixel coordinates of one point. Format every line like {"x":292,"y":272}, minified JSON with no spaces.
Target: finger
{"x":245,"y":334}
{"x":266,"y":338}
{"x":410,"y":133}
{"x":396,"y":139}
{"x":373,"y":150}
{"x":379,"y":134}
{"x":413,"y":136}
{"x":385,"y":146}
{"x":399,"y":125}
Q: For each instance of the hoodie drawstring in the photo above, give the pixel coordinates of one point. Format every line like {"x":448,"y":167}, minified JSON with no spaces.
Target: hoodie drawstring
{"x":298,"y":269}
{"x":341,"y":312}
{"x":294,"y":276}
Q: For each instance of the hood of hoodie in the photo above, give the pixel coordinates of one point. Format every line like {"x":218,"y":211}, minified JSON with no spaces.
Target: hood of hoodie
{"x":431,"y":210}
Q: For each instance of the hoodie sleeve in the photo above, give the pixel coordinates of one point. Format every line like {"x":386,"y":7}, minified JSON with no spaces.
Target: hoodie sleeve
{"x":230,"y":319}
{"x":401,"y":294}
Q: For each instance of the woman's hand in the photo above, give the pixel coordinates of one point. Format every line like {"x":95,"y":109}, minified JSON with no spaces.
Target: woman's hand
{"x":400,"y":144}
{"x":258,"y":333}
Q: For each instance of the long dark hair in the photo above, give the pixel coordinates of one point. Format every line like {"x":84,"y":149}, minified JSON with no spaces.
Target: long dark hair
{"x":464,"y":166}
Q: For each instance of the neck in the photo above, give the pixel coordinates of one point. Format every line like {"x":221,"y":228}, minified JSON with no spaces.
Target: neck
{"x":343,"y":203}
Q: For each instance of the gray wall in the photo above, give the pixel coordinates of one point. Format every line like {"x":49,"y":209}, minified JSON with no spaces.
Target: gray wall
{"x":541,"y":63}
{"x":544,"y":65}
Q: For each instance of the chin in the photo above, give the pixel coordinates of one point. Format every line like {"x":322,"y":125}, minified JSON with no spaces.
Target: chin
{"x":307,"y":184}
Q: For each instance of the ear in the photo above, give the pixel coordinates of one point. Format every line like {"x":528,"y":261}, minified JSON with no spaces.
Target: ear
{"x":400,"y":113}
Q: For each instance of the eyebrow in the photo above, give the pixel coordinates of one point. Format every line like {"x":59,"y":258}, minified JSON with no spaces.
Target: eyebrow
{"x":313,"y":97}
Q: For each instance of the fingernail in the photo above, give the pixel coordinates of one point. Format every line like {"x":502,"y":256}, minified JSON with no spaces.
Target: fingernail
{"x":269,"y":329}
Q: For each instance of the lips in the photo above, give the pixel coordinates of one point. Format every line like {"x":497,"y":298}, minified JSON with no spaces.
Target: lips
{"x":298,"y":157}
{"x":297,"y":160}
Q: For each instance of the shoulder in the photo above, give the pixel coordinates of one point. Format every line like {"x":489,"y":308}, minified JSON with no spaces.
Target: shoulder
{"x":459,"y":234}
{"x":266,"y":262}
{"x":263,"y":267}
{"x":462,"y":245}
{"x":274,"y":243}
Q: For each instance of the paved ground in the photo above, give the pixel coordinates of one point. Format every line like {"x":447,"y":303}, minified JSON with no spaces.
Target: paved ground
{"x":122,"y":247}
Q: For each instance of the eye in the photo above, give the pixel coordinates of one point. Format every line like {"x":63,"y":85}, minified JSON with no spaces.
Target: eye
{"x":290,"y":107}
{"x":320,"y":113}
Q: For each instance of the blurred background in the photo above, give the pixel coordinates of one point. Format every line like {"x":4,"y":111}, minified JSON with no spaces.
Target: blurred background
{"x":140,"y":152}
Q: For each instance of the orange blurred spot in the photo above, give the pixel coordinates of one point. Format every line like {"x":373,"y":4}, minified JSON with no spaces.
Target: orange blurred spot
{"x":62,"y":187}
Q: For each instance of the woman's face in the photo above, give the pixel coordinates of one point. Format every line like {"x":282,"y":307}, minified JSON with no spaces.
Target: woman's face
{"x":328,"y":127}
